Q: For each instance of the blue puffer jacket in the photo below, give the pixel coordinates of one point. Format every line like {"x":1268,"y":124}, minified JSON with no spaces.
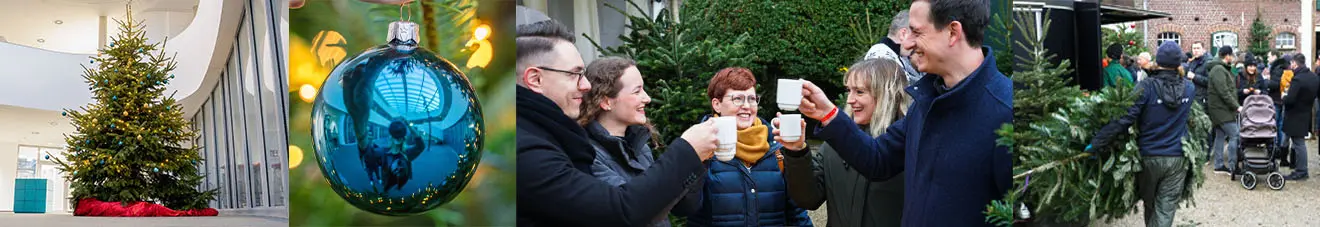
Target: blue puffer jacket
{"x":736,"y":195}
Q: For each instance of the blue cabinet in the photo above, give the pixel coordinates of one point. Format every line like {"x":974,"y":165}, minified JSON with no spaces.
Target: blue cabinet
{"x":30,"y":196}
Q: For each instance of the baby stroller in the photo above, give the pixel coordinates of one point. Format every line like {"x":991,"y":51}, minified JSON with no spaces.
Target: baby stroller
{"x":1257,"y":151}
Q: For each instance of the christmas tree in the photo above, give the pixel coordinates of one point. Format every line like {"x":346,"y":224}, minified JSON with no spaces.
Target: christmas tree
{"x":1055,"y":180}
{"x":132,"y":142}
{"x":1132,"y":41}
{"x":1260,"y":36}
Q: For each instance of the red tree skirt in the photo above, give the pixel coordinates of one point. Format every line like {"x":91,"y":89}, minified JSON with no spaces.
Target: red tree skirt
{"x":94,"y":207}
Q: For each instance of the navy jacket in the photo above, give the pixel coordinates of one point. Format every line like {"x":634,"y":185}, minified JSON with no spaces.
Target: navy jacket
{"x":945,"y":147}
{"x":555,"y":185}
{"x":737,"y":195}
{"x":1161,"y":126}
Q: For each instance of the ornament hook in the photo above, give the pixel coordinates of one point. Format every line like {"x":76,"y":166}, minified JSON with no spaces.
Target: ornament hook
{"x":403,"y":12}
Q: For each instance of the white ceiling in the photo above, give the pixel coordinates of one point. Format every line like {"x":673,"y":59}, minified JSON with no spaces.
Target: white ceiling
{"x":73,"y":26}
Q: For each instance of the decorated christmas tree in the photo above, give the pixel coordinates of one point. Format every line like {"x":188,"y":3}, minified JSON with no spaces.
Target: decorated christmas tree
{"x":1055,"y":180}
{"x":132,"y":142}
{"x":1132,"y":41}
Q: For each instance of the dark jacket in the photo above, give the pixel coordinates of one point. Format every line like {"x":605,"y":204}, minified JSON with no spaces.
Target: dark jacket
{"x":854,"y":199}
{"x":1163,"y":105}
{"x":1298,"y":103}
{"x":1252,"y":82}
{"x":944,"y":146}
{"x":555,"y":185}
{"x":1202,"y":81}
{"x":737,"y":195}
{"x":1273,"y":87}
{"x":1221,"y":101}
{"x":619,"y":159}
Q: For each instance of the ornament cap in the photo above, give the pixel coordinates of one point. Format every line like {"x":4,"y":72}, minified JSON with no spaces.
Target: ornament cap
{"x":403,"y":32}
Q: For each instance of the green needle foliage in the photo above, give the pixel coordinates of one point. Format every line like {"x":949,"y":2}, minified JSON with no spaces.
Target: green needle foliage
{"x":133,"y":143}
{"x":1055,"y":179}
{"x":1260,"y":36}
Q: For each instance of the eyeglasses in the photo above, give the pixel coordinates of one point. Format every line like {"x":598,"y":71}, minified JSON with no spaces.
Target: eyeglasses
{"x":575,"y":76}
{"x":742,"y":99}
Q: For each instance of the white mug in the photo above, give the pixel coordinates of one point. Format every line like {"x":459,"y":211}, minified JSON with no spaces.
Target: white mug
{"x":790,"y":127}
{"x":789,"y":95}
{"x":727,"y":136}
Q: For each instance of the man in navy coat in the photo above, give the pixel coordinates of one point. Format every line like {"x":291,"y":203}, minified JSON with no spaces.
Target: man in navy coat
{"x":945,"y":146}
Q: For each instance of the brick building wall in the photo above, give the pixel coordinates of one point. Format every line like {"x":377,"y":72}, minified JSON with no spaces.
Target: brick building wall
{"x":1199,"y":20}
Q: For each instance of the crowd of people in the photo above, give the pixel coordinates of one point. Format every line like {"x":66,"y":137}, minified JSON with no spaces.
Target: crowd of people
{"x":1166,"y":89}
{"x":914,"y":145}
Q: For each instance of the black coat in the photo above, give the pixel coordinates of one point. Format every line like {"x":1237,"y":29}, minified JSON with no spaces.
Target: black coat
{"x":1202,"y":80}
{"x":1299,"y":101}
{"x":555,"y":185}
{"x":1245,"y":81}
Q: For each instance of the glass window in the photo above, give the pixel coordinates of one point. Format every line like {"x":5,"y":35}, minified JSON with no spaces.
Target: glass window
{"x":27,"y":161}
{"x":273,"y":99}
{"x":252,"y":115}
{"x":1285,"y":41}
{"x":1169,"y":37}
{"x":1222,"y":39}
{"x":237,"y":131}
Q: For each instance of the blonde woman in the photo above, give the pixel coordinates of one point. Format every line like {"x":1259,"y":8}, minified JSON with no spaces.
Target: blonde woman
{"x":876,"y":99}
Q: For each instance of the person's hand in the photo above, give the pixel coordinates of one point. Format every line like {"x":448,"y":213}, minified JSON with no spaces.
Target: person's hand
{"x":1246,"y":91}
{"x":815,"y":104}
{"x":294,"y":4}
{"x":1239,"y":109}
{"x":792,"y":146}
{"x":702,"y":138}
{"x":1256,"y":91}
{"x":1191,"y":75}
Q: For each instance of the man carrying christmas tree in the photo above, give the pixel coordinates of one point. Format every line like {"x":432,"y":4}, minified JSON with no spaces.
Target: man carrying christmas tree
{"x":1222,"y":106}
{"x":945,"y":146}
{"x":1161,"y":111}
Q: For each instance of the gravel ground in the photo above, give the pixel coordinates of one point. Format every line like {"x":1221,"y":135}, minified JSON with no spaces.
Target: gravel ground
{"x":1221,"y":202}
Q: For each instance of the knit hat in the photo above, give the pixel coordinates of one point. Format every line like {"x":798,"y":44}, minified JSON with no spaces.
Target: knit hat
{"x":1225,"y":51}
{"x":1115,"y":51}
{"x":1249,"y":59}
{"x":1169,"y":55}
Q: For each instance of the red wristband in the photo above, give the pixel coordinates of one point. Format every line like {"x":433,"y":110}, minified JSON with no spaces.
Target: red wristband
{"x":830,"y":116}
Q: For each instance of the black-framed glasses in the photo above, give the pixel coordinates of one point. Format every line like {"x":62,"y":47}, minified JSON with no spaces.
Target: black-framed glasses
{"x":739,"y":100}
{"x":576,"y":76}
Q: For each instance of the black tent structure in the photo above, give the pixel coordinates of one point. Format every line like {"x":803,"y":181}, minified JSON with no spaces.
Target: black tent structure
{"x":1074,"y":32}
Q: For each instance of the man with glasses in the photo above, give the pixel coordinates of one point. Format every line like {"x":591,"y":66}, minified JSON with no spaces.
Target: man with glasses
{"x":555,"y":185}
{"x":945,"y":145}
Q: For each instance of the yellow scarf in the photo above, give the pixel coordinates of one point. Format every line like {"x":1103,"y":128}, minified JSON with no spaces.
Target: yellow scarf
{"x":752,"y":143}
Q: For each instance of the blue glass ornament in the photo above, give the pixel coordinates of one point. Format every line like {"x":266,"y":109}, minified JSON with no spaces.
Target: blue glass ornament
{"x":112,"y":44}
{"x":153,"y":169}
{"x":121,"y":142}
{"x":92,"y":61}
{"x":47,"y":157}
{"x":102,"y":161}
{"x":391,"y":123}
{"x":66,"y":114}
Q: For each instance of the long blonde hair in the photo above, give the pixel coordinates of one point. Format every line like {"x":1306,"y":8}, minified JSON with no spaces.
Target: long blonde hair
{"x":886,"y":81}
